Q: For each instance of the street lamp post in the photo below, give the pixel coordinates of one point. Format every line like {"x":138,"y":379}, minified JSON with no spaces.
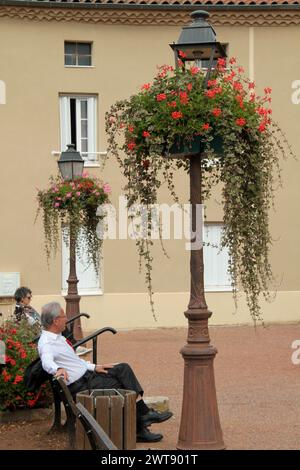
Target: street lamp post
{"x":200,"y":424}
{"x":71,"y":166}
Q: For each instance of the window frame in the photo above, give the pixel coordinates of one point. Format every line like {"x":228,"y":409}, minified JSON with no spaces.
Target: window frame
{"x":77,"y":65}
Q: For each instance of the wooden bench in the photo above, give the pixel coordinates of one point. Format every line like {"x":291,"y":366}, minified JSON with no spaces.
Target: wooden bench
{"x":57,"y":425}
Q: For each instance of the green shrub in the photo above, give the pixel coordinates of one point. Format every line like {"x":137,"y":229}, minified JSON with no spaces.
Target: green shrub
{"x":19,"y":352}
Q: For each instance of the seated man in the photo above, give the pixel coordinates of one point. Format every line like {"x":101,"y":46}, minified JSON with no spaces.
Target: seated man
{"x":59,"y":359}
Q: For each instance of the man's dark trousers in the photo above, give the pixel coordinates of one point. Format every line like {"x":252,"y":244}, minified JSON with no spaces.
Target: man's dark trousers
{"x":119,"y":376}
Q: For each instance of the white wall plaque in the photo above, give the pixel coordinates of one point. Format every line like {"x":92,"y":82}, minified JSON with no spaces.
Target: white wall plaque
{"x":9,"y":282}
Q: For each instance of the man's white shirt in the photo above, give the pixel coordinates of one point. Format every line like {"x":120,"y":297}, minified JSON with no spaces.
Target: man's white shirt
{"x":56,"y":353}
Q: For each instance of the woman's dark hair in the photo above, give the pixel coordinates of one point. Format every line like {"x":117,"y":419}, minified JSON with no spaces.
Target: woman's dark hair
{"x":21,"y":292}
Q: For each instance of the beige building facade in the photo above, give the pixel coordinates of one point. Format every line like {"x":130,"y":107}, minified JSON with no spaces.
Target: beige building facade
{"x":40,"y":90}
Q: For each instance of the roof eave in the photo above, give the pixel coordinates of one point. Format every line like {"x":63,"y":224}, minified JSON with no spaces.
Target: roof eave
{"x":110,"y":6}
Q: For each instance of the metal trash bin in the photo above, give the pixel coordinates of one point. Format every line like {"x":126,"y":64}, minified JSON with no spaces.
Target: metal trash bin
{"x":115,"y":411}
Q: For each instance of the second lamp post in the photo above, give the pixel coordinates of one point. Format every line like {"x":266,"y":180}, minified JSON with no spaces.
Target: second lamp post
{"x":71,"y":166}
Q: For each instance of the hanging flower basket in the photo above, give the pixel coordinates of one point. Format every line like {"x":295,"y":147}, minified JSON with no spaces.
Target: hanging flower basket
{"x":242,"y":147}
{"x":73,"y":204}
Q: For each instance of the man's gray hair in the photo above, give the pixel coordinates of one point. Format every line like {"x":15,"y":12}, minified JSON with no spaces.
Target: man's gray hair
{"x":49,"y":313}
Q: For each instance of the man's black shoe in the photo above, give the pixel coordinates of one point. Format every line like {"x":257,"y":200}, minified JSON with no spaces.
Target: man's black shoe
{"x":144,"y":435}
{"x":155,"y":417}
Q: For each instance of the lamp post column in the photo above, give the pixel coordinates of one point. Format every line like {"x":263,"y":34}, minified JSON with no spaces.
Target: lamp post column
{"x":72,"y":298}
{"x":200,"y":424}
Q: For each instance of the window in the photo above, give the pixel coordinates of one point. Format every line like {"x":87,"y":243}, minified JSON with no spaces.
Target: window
{"x":78,"y":54}
{"x":89,"y":282}
{"x":78,"y":124}
{"x":216,"y":277}
{"x":2,"y":92}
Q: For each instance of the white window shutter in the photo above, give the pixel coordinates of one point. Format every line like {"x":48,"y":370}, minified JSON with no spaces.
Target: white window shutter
{"x":216,"y":277}
{"x":2,"y":92}
{"x":78,"y":127}
{"x":65,"y":123}
{"x":92,"y":120}
{"x":89,"y":282}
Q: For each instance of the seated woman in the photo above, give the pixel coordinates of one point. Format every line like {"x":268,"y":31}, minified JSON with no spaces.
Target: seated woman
{"x":23,"y":309}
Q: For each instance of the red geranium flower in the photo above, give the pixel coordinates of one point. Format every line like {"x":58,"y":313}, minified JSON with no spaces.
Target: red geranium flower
{"x":262,"y":127}
{"x":216,"y":112}
{"x":18,"y":378}
{"x":194,"y":70}
{"x":182,"y":54}
{"x":176,"y":114}
{"x":161,"y":97}
{"x":240,"y":122}
{"x":23,"y":354}
{"x":131,"y":145}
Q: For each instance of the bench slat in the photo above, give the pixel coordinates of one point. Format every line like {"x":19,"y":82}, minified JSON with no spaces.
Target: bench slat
{"x":116,"y":421}
{"x":130,"y":421}
{"x":102,"y":413}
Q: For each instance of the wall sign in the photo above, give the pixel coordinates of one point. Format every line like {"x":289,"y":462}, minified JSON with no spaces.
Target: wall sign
{"x":9,"y":282}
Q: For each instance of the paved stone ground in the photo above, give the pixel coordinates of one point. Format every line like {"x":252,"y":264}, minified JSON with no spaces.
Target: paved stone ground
{"x":258,"y":386}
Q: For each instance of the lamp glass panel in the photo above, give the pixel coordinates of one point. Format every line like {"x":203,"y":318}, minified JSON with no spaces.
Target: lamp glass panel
{"x":66,"y":170}
{"x":77,"y":169}
{"x":194,"y":52}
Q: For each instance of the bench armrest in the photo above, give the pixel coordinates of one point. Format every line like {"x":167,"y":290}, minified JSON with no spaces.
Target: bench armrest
{"x":93,"y":337}
{"x":86,"y":315}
